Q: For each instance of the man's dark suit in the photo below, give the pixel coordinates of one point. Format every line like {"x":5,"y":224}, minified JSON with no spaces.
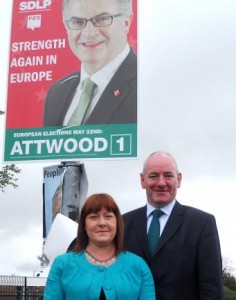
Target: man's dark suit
{"x":117,"y":104}
{"x":187,"y":263}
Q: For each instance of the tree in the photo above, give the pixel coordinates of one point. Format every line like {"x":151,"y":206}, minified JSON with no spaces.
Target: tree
{"x":228,"y":277}
{"x":7,"y":174}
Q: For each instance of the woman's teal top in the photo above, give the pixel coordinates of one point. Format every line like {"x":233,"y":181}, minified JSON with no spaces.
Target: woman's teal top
{"x":72,"y":277}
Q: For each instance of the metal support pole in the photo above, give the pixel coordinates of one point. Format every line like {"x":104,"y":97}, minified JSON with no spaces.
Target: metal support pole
{"x":25,"y":288}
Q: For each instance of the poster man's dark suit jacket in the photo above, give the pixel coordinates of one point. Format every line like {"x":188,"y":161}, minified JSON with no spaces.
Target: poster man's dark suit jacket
{"x":187,"y":263}
{"x":117,"y":104}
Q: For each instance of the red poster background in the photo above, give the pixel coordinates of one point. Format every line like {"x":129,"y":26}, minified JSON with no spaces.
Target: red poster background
{"x":25,"y":100}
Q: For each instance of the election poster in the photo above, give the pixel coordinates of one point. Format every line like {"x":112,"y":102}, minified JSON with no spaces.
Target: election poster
{"x":53,"y":46}
{"x":52,"y":195}
{"x":65,"y":189}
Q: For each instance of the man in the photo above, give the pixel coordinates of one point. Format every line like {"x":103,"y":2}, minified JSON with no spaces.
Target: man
{"x":186,"y":264}
{"x":97,"y":34}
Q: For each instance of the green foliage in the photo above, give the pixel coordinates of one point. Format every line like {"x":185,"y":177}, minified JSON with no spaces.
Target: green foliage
{"x":7,"y":176}
{"x":229,"y":294}
{"x":7,"y":173}
{"x":228,"y":277}
{"x":229,"y":281}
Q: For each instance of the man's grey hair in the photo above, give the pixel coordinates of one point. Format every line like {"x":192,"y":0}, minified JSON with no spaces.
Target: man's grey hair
{"x":160,"y":153}
{"x":126,"y":6}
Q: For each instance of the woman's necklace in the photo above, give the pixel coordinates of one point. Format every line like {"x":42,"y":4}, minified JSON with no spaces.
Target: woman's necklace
{"x":99,"y":262}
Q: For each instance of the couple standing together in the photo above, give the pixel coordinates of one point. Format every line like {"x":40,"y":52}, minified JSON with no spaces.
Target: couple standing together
{"x":111,"y":263}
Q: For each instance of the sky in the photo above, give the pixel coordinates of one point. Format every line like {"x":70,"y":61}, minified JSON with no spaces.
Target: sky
{"x":187,"y":107}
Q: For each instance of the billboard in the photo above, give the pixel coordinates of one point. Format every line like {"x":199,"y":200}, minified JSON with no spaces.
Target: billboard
{"x":45,"y":82}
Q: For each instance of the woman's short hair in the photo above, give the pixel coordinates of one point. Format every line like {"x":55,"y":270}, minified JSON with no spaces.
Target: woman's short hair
{"x":94,"y":204}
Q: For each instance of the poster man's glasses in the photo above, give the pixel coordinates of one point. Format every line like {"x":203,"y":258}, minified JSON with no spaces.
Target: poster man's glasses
{"x":97,"y":21}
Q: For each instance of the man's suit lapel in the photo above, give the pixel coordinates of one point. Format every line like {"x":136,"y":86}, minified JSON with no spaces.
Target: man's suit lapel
{"x":116,"y":92}
{"x":67,"y":94}
{"x":172,"y":225}
{"x":140,"y":226}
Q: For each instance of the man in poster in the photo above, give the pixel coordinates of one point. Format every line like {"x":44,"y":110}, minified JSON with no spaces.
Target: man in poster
{"x":97,"y":34}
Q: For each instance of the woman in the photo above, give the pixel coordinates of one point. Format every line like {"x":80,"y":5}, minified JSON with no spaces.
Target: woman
{"x":98,"y":268}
